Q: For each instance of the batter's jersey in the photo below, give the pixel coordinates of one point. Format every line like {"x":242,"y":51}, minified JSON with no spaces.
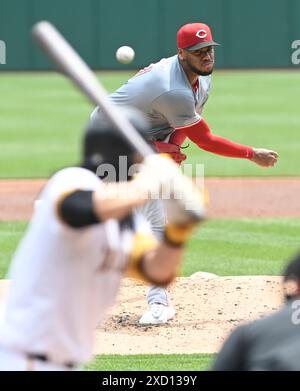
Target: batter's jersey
{"x":64,"y":279}
{"x":164,"y":94}
{"x":269,"y":344}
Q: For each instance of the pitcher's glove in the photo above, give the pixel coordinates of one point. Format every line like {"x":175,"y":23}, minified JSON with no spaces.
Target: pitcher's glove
{"x":172,"y":149}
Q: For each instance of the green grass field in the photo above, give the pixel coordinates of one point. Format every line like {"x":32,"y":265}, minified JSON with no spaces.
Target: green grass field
{"x":148,"y":362}
{"x":224,"y":247}
{"x":43,"y":115}
{"x":42,"y":120}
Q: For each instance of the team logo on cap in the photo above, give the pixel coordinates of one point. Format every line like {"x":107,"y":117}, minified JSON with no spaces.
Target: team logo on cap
{"x":201,"y":34}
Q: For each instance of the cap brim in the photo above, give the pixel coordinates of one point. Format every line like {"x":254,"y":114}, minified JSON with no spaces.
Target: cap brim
{"x":202,"y":45}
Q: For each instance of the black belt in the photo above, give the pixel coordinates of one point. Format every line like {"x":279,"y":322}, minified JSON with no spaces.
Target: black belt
{"x":45,"y":358}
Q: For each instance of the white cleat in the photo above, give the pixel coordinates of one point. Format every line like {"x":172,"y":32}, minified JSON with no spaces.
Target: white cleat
{"x":157,"y":314}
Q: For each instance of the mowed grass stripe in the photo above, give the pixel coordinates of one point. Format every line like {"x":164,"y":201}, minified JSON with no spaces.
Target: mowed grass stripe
{"x":243,"y":247}
{"x":224,"y":247}
{"x":43,"y":116}
{"x":152,"y":362}
{"x":10,"y":235}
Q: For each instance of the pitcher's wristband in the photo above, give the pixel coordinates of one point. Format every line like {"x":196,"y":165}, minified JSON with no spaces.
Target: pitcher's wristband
{"x":249,"y":153}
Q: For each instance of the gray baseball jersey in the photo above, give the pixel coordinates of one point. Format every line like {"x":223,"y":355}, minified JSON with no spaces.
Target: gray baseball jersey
{"x":163,"y":93}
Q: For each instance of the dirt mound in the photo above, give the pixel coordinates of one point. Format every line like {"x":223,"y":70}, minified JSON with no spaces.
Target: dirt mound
{"x":208,"y":308}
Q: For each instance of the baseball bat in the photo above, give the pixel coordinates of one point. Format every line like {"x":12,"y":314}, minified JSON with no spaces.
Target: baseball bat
{"x":70,"y":63}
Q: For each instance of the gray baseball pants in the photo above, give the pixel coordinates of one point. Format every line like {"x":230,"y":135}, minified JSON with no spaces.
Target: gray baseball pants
{"x":155,"y":215}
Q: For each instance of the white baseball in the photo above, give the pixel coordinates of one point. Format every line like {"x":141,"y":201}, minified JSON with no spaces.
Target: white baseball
{"x":125,"y":54}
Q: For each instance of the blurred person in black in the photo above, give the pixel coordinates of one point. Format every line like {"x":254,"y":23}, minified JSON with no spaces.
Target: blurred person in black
{"x":271,"y":343}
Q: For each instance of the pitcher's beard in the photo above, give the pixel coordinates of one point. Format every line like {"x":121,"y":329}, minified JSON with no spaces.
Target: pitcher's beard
{"x":199,"y":72}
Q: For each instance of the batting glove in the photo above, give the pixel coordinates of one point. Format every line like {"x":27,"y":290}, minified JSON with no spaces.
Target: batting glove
{"x":161,"y":177}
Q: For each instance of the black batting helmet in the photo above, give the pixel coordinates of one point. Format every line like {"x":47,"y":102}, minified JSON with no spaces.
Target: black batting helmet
{"x":105,"y":151}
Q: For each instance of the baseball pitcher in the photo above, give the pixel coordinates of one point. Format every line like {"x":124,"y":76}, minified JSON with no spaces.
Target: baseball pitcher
{"x":172,"y":94}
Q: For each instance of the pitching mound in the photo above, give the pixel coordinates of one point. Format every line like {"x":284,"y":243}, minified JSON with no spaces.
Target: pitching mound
{"x":208,"y":308}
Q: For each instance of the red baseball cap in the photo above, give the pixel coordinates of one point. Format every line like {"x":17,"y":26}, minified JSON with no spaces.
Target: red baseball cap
{"x":193,"y":36}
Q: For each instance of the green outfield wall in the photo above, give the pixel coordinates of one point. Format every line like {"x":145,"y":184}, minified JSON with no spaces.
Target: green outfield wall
{"x":257,"y":33}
